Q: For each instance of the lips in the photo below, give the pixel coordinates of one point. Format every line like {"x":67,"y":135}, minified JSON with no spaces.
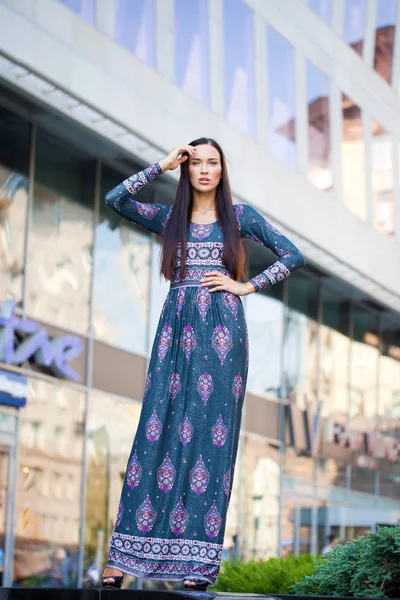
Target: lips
{"x":204,"y":180}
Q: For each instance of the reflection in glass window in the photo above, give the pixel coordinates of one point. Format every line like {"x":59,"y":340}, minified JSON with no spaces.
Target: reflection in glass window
{"x":281,"y":98}
{"x":389,"y":378}
{"x":112,"y":424}
{"x":300,"y":342}
{"x":354,"y":25}
{"x":14,"y":161}
{"x":135,"y":28}
{"x":83,"y":8}
{"x":363,"y":370}
{"x":122,"y":264}
{"x":61,"y":235}
{"x":334,"y":355}
{"x":386,"y":18}
{"x":319,"y":139}
{"x":49,"y":486}
{"x":353,"y":159}
{"x":323,"y":8}
{"x":191,"y":48}
{"x":239,"y":65}
{"x":382,"y":178}
{"x":264,"y":317}
{"x":260,"y":485}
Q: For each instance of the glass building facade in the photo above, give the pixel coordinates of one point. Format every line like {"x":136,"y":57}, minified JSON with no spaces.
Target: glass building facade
{"x":80,"y":297}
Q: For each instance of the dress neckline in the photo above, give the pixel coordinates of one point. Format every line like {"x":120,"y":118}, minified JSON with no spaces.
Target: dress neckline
{"x":212,"y":223}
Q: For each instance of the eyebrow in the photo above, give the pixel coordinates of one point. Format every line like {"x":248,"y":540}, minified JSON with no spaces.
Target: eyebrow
{"x":198,"y":158}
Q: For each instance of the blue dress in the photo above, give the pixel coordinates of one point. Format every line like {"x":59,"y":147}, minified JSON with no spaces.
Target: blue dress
{"x":171,"y":517}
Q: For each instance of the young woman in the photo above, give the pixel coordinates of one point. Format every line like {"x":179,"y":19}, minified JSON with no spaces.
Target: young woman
{"x":171,"y":518}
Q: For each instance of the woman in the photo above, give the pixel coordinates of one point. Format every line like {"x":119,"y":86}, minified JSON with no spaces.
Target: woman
{"x":171,"y":518}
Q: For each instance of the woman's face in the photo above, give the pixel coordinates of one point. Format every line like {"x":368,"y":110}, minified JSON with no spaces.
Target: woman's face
{"x":205,"y":168}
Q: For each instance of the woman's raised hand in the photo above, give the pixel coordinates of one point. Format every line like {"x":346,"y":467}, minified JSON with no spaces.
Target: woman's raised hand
{"x":176,"y":157}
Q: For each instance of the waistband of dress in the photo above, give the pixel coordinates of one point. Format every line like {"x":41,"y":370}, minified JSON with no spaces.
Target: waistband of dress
{"x":195,"y":281}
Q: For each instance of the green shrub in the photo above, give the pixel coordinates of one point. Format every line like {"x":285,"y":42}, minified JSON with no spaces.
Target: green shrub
{"x":367,"y":567}
{"x":276,"y":575}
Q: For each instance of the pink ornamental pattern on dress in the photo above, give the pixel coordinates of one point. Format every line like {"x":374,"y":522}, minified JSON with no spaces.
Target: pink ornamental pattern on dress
{"x":221,"y":341}
{"x":238,"y":211}
{"x":120,"y":514}
{"x":174,"y":386}
{"x":147,"y":385}
{"x":188,"y":342}
{"x":231,"y":302}
{"x":178,"y":519}
{"x":146,"y":516}
{"x":148,"y":211}
{"x":166,"y":474}
{"x":180,"y":300}
{"x":203,"y":301}
{"x":165,"y":341}
{"x":212,"y":522}
{"x":200,"y":231}
{"x":219,"y":433}
{"x":153,"y":428}
{"x":205,"y":387}
{"x":237,"y":387}
{"x":185,"y":430}
{"x":134,"y":472}
{"x":199,"y":477}
{"x":227,"y":482}
{"x":164,"y":306}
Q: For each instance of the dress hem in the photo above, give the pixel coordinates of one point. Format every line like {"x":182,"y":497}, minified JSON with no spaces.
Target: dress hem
{"x":158,"y":576}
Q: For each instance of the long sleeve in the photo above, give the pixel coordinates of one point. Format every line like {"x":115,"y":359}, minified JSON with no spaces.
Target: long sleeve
{"x":148,"y":216}
{"x":254,"y":226}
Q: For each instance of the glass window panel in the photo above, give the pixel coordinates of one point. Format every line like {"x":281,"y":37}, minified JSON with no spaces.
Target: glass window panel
{"x":135,"y":28}
{"x":362,"y":480}
{"x":323,"y":8}
{"x":49,"y":486}
{"x":239,"y":65}
{"x":389,"y":378}
{"x":319,"y":139}
{"x":354,"y":25}
{"x":260,"y":484}
{"x":386,"y":18}
{"x":353,"y":159}
{"x":382,"y":178}
{"x":264,"y":317}
{"x":121,"y":262}
{"x":364,"y":370}
{"x":112,"y":424}
{"x":281,"y":98}
{"x":61,"y":235}
{"x":191,"y":48}
{"x":83,"y":8}
{"x":334,"y":361}
{"x":14,"y":183}
{"x":300,"y":342}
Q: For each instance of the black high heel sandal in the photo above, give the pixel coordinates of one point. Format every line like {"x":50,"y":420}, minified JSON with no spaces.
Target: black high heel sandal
{"x":115,"y":585}
{"x":199,"y":585}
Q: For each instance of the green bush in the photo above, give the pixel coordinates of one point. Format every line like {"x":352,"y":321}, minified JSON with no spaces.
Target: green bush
{"x":273,"y":576}
{"x":367,"y":567}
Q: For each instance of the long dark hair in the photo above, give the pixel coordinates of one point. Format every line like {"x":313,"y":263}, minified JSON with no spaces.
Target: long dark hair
{"x":176,"y":227}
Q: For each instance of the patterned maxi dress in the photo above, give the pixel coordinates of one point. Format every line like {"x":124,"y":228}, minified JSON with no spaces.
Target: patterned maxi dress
{"x":171,"y":518}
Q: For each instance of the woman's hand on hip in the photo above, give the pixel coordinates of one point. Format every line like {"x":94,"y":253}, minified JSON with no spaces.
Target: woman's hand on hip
{"x":226,"y":284}
{"x":176,"y":157}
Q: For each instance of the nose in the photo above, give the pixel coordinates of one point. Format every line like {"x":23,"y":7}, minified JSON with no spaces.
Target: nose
{"x":204,"y":169}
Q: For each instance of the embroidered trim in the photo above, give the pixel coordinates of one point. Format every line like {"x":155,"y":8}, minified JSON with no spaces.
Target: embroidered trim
{"x":167,"y":570}
{"x":149,"y":548}
{"x":202,"y":253}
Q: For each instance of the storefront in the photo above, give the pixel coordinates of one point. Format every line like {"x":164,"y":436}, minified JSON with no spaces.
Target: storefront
{"x":80,"y":297}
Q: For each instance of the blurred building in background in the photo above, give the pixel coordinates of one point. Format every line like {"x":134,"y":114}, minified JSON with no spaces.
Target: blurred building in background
{"x":304,"y":97}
